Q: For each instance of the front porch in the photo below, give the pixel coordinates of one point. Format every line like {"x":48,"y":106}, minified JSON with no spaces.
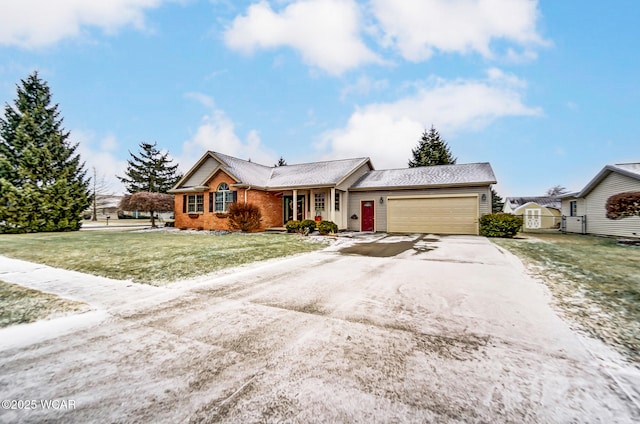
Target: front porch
{"x":316,"y":204}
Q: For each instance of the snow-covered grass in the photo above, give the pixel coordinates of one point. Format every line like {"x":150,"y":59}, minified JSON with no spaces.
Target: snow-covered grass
{"x":153,"y":257}
{"x":22,"y":305}
{"x":595,"y":280}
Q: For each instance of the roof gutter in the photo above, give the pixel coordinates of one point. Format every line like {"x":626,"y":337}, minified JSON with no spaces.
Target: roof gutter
{"x":422,"y":186}
{"x":195,"y":189}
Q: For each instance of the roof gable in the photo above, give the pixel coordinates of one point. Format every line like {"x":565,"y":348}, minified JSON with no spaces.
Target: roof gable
{"x":536,"y":205}
{"x":631,"y":170}
{"x":514,"y":203}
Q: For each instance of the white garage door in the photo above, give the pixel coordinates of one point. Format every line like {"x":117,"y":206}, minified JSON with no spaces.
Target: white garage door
{"x":454,"y":214}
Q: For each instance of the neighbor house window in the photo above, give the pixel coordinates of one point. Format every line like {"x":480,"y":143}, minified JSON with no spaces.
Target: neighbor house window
{"x":573,"y":208}
{"x":224,"y":197}
{"x":319,"y":201}
{"x":195,"y":203}
{"x":337,"y":201}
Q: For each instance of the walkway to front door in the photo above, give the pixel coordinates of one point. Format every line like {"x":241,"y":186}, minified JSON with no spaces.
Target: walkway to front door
{"x":367,"y":213}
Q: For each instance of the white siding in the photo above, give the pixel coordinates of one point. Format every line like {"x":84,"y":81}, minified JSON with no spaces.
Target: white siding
{"x":348,"y":182}
{"x":573,"y":224}
{"x":595,"y":201}
{"x":197,"y":178}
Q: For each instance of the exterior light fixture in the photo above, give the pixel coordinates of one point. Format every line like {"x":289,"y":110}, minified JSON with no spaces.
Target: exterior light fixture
{"x":381,"y":200}
{"x":484,"y":197}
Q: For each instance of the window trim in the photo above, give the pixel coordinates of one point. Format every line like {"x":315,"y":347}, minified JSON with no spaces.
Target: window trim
{"x":195,"y":203}
{"x":319,"y":201}
{"x":573,"y":208}
{"x":223,"y":197}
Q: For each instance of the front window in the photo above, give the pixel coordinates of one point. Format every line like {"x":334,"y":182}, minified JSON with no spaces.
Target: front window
{"x":223,"y":198}
{"x":195,"y":203}
{"x":573,"y":208}
{"x":319,"y":201}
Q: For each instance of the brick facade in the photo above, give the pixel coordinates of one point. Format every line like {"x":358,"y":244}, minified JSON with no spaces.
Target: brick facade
{"x":270,"y":205}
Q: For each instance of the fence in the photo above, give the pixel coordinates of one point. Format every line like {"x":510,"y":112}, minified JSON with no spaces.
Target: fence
{"x":574,"y":224}
{"x":532,"y":223}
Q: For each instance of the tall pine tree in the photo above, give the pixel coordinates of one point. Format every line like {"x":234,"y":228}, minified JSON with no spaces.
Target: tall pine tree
{"x":497,"y":202}
{"x":43,"y":184}
{"x":431,"y":150}
{"x":150,"y":171}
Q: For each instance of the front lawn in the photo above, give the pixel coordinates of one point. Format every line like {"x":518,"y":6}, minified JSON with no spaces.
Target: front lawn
{"x":21,"y":305}
{"x":594,"y":280}
{"x":152,"y":257}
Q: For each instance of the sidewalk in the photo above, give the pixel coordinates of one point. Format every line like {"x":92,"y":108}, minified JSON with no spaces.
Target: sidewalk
{"x":118,"y":224}
{"x":101,"y":292}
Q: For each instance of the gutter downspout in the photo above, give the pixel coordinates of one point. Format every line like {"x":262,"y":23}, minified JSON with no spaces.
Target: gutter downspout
{"x":245,"y":194}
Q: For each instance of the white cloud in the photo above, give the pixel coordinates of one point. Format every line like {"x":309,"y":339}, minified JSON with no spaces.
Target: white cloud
{"x":100,"y":153}
{"x":37,"y":23}
{"x":324,"y":32}
{"x":388,"y":131}
{"x":217,"y":132}
{"x":416,"y":28}
{"x":363,"y":86}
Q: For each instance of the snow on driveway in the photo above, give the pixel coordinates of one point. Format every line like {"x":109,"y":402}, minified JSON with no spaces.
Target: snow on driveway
{"x":449,"y":330}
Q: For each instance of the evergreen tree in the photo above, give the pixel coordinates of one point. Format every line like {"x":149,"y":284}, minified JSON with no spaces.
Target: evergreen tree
{"x":151,"y":171}
{"x":431,"y":150}
{"x":43,"y":184}
{"x":497,"y":202}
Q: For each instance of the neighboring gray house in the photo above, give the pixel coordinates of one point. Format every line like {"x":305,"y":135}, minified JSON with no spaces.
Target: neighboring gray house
{"x":584,"y":212}
{"x":446,"y":199}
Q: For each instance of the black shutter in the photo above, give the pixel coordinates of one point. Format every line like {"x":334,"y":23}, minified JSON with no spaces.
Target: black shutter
{"x":184,"y":203}
{"x":235,"y":196}
{"x":210,"y":201}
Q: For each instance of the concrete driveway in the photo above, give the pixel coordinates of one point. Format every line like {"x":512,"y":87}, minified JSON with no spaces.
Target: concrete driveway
{"x":441,"y":329}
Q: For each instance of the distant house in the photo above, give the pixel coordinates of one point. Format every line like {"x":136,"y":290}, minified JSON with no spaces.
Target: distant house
{"x":447,"y":199}
{"x":106,"y":205}
{"x":537,"y":212}
{"x":584,"y":212}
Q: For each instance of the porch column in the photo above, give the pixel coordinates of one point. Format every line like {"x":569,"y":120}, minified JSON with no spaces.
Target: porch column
{"x":295,"y":205}
{"x":332,"y":205}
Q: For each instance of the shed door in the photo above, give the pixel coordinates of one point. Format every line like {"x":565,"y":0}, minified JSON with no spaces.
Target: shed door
{"x":456,"y":214}
{"x":533,"y":218}
{"x":366,"y":211}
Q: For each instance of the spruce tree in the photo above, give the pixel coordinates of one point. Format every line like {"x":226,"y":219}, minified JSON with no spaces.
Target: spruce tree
{"x":431,"y":150}
{"x":43,"y":184}
{"x":150,"y":171}
{"x":497,"y":202}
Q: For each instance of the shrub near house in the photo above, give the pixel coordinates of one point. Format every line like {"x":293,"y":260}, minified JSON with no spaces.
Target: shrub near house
{"x":500,"y":225}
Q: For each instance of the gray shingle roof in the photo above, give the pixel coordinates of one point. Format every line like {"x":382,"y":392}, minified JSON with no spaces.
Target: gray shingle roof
{"x":546,"y":201}
{"x":424,"y":176}
{"x":313,"y":174}
{"x":633,"y":168}
{"x":247,"y":172}
{"x":329,"y":173}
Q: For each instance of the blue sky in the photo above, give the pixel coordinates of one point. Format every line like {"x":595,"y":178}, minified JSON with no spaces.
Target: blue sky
{"x":546,"y":91}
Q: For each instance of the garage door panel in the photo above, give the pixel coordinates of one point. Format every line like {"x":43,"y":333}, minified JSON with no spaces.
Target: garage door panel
{"x":439,"y":215}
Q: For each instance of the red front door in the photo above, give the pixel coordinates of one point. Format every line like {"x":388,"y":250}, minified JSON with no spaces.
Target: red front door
{"x":366,"y":211}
